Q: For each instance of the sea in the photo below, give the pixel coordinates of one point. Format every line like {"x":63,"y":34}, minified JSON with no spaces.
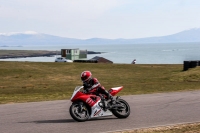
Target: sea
{"x":164,"y":53}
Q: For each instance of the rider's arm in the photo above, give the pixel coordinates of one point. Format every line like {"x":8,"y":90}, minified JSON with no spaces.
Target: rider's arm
{"x":95,"y":84}
{"x":85,"y":88}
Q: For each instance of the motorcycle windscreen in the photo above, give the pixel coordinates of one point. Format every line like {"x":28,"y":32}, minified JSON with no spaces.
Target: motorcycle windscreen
{"x":76,"y":96}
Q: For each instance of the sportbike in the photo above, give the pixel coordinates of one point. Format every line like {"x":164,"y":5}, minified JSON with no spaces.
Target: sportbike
{"x":86,"y":106}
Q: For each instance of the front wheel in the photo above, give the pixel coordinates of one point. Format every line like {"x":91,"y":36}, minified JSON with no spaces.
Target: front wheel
{"x":79,"y":111}
{"x":123,"y":111}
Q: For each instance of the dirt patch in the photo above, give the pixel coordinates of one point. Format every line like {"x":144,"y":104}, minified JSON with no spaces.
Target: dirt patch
{"x":181,"y":128}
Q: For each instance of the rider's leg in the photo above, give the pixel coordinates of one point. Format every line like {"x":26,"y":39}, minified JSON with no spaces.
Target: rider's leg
{"x":102,"y":90}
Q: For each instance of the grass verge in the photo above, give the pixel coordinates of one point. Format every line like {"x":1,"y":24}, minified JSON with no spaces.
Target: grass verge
{"x":36,"y":81}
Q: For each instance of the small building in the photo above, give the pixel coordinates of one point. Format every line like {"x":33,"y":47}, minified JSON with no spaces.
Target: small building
{"x":98,"y":59}
{"x":74,"y":54}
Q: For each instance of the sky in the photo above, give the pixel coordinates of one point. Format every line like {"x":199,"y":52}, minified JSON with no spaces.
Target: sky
{"x":112,"y":19}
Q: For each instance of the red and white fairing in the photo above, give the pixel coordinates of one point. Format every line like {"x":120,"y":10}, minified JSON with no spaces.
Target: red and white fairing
{"x":115,"y":90}
{"x":96,"y":110}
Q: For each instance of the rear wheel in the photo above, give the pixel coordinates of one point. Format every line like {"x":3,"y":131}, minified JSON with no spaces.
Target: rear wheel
{"x":123,"y":111}
{"x":79,"y":111}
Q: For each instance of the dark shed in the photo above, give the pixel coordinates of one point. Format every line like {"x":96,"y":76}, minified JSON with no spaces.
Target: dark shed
{"x":101,"y":60}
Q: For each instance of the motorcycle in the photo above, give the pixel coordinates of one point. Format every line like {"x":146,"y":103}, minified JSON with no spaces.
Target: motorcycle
{"x":87,"y":106}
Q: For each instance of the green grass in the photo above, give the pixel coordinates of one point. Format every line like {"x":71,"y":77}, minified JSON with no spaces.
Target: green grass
{"x":35,"y":81}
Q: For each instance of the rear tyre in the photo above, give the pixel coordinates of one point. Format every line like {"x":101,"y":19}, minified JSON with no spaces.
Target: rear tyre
{"x":122,"y":112}
{"x":79,"y":111}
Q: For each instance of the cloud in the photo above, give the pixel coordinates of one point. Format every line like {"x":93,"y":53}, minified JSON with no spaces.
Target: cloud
{"x":55,"y":8}
{"x":99,"y":18}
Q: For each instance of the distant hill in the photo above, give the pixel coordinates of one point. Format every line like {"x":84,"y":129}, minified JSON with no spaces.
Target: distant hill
{"x":33,"y":38}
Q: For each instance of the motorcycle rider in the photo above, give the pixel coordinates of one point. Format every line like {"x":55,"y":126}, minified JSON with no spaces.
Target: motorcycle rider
{"x":92,"y":85}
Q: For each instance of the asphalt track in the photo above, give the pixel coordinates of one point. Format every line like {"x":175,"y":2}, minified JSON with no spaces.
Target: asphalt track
{"x":147,"y":110}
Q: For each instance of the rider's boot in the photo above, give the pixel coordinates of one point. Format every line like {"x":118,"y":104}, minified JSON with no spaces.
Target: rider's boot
{"x":111,"y":99}
{"x":108,"y":97}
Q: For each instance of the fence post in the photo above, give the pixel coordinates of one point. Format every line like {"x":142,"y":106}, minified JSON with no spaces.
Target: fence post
{"x":186,"y":65}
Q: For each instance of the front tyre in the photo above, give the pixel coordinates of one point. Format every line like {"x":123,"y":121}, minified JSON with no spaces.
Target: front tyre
{"x":123,"y":111}
{"x":79,"y":111}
